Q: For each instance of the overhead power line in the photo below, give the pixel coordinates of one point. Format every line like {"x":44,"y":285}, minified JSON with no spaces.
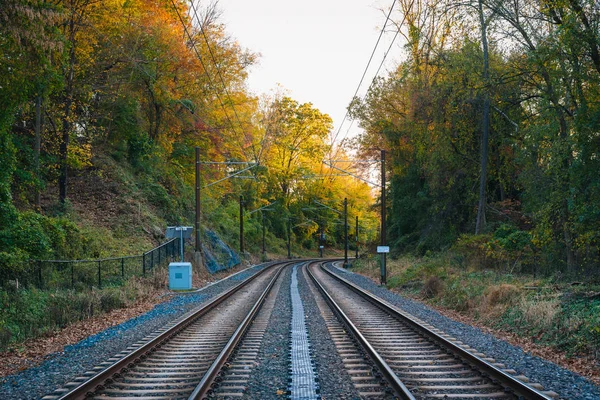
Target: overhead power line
{"x":366,"y":68}
{"x":210,"y":82}
{"x":374,"y":78}
{"x":212,"y":56}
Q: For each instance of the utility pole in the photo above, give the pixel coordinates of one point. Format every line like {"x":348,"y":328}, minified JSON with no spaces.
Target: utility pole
{"x":383,"y":227}
{"x":356,"y":234}
{"x":242,"y":225}
{"x":321,"y":242}
{"x":346,"y":232}
{"x":198,"y":246}
{"x":289,"y":237}
{"x":264,"y":251}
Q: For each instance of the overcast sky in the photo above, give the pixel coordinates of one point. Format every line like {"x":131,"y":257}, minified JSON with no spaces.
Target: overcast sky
{"x":316,"y":49}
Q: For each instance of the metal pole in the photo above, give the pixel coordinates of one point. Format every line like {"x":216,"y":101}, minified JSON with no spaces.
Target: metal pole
{"x":123,"y":267}
{"x":356,"y":234}
{"x":198,"y":247}
{"x":289,"y":237}
{"x":264,"y":250}
{"x":345,"y":232}
{"x":321,"y":243}
{"x":241,"y":226}
{"x":41,"y":280}
{"x":99,"y":275}
{"x":72,"y":275}
{"x":144,"y":264}
{"x":181,"y":244}
{"x":383,"y":227}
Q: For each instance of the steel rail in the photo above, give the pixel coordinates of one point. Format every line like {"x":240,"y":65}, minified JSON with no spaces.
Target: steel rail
{"x":395,"y":382}
{"x":508,"y":381}
{"x":203,"y":388}
{"x":89,"y":386}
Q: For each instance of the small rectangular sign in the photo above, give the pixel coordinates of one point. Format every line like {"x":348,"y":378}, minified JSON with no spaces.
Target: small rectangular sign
{"x":321,"y":247}
{"x":383,"y":249}
{"x":179,"y":231}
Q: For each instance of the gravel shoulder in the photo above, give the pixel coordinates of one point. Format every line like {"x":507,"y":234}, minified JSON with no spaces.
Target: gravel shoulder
{"x":567,"y":384}
{"x":62,"y":367}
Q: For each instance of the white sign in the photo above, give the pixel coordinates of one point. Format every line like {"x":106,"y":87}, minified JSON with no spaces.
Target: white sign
{"x":383,"y":249}
{"x":179,"y":231}
{"x":321,"y":247}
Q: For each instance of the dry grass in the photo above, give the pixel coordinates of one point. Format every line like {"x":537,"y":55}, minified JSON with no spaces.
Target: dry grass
{"x":540,"y":312}
{"x":433,"y":287}
{"x":502,"y":294}
{"x":496,"y":299}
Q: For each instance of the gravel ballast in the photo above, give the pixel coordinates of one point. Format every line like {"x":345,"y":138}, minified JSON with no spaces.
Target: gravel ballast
{"x":334,"y":381}
{"x":566,"y":383}
{"x":269,"y":379}
{"x":75,"y":359}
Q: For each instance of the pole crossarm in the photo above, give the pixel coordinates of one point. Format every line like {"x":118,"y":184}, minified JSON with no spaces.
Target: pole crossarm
{"x":326,"y":206}
{"x":232,"y":175}
{"x":355,"y":162}
{"x":309,"y":222}
{"x":264,"y":208}
{"x":228,"y":162}
{"x":352,"y":174}
{"x":322,"y":176}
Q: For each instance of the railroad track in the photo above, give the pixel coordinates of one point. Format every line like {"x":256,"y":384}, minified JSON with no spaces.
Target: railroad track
{"x":417,"y":360}
{"x":211,"y":352}
{"x":185,"y":359}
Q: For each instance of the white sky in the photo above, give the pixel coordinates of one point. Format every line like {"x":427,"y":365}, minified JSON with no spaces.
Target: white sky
{"x":316,"y":49}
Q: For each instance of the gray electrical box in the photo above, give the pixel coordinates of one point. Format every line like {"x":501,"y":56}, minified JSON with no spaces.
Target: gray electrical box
{"x":180,"y":276}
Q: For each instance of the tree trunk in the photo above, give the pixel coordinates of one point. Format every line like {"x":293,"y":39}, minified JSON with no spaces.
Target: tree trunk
{"x":66,"y":120}
{"x":36,"y":150}
{"x":480,"y":223}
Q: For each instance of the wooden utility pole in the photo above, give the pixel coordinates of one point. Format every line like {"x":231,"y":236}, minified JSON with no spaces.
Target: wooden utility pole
{"x":383,"y":224}
{"x":264,"y":250}
{"x":345,"y":232}
{"x":198,"y":245}
{"x":289,"y":237}
{"x":356,"y":234}
{"x":241,"y":225}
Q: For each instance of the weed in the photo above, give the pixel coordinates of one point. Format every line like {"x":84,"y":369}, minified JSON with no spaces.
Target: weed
{"x":539,"y":312}
{"x":433,"y":287}
{"x":29,"y":313}
{"x":503,"y":294}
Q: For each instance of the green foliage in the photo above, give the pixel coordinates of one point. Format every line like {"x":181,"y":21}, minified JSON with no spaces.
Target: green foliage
{"x":561,"y":316}
{"x":543,"y":145}
{"x":30,"y":313}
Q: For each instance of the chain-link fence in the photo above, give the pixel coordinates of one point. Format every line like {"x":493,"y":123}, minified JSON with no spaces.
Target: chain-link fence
{"x":75,"y":274}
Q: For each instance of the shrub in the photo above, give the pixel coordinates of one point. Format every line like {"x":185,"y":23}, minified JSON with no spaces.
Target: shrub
{"x":457,"y":296}
{"x":111,"y":299}
{"x":503,"y":294}
{"x":472,"y":248}
{"x":29,"y":313}
{"x":432,"y":288}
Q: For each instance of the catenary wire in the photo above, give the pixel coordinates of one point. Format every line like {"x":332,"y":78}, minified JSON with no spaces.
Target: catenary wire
{"x":210,"y":82}
{"x":373,"y":81}
{"x":366,"y":68}
{"x":212,"y":56}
